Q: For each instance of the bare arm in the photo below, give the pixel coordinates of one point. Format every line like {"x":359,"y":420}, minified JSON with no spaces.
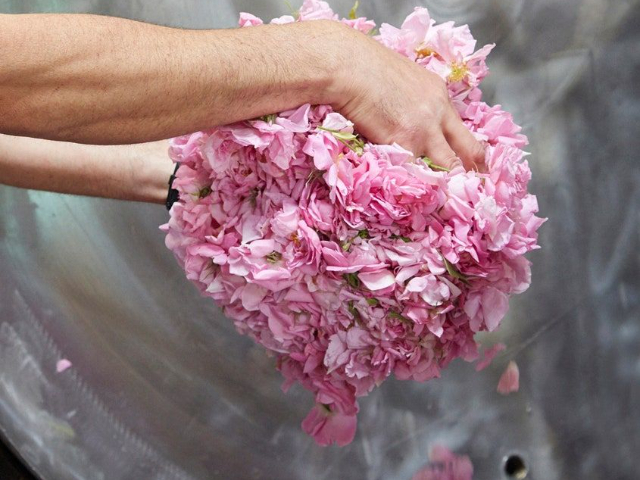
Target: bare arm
{"x":109,"y":80}
{"x":102,"y":80}
{"x":125,"y":172}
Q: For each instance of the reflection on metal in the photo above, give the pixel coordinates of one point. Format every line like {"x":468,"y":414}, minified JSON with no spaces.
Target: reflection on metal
{"x":162,"y":387}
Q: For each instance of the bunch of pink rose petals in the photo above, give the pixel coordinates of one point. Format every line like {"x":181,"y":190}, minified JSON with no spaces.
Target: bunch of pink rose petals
{"x":349,"y":260}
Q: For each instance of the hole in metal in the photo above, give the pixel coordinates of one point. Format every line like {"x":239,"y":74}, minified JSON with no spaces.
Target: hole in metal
{"x":515,"y":467}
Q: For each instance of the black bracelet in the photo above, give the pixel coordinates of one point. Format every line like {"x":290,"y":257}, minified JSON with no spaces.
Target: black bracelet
{"x":173,"y":195}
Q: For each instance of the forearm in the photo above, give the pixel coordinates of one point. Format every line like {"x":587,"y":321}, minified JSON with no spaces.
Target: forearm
{"x":99,"y":80}
{"x":126,"y":172}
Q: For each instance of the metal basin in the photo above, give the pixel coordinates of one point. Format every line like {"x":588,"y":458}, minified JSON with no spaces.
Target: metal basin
{"x":162,"y":387}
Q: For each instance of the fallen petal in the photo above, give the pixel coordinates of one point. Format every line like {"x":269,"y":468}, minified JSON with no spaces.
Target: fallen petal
{"x":62,"y":365}
{"x":510,"y":380}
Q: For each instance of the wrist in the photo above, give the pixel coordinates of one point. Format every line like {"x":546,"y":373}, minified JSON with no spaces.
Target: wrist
{"x":335,"y":44}
{"x":151,"y":169}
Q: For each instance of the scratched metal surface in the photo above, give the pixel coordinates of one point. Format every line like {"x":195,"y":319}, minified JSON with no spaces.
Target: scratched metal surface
{"x":163,"y":388}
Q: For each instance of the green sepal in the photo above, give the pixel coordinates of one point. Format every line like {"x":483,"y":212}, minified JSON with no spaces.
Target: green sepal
{"x":352,"y":279}
{"x":454,"y":272}
{"x":433,"y":166}
{"x":353,"y":13}
{"x":400,"y":237}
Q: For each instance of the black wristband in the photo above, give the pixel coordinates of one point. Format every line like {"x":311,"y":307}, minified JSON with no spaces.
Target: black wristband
{"x":173,"y":195}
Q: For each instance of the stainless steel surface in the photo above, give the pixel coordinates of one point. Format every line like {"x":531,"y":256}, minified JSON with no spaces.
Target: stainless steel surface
{"x":163,"y":388}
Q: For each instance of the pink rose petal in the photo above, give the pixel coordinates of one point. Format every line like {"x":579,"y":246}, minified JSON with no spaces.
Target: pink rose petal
{"x":510,"y":380}
{"x":328,"y":427}
{"x":63,"y":365}
{"x":445,"y":465}
{"x":377,"y":280}
{"x":489,"y":355}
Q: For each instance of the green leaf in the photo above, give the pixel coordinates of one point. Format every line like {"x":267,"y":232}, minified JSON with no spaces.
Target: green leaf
{"x":351,"y":140}
{"x":353,"y":13}
{"x":454,"y":272}
{"x":397,"y":316}
{"x":374,"y":302}
{"x":269,"y":118}
{"x":342,"y":136}
{"x":400,"y":237}
{"x":273,"y":257}
{"x":354,"y":312}
{"x":352,"y":279}
{"x":432,"y":165}
{"x":294,"y":13}
{"x":364,"y":234}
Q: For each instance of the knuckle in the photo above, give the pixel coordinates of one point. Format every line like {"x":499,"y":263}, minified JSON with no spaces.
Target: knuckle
{"x":442,"y":93}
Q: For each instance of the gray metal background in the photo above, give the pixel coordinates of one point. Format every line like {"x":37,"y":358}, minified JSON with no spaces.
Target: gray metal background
{"x":163,"y":388}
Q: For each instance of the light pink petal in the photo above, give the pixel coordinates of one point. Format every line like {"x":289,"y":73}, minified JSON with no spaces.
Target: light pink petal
{"x":494,"y":307}
{"x":283,"y":20}
{"x":250,"y":136}
{"x":510,"y":380}
{"x":329,"y":427}
{"x":377,"y":280}
{"x":261,"y":248}
{"x":342,"y":428}
{"x":316,"y":10}
{"x":62,"y":365}
{"x":336,"y":354}
{"x":358,"y":338}
{"x":250,"y":230}
{"x":252,"y":296}
{"x":489,"y":355}
{"x":272,"y":274}
{"x":298,"y":121}
{"x":361,"y":24}
{"x":418,"y":23}
{"x":406,"y":273}
{"x":335,"y":121}
{"x":248,"y":20}
{"x":286,"y":221}
{"x":417,"y":284}
{"x":316,"y":147}
{"x":279,"y":323}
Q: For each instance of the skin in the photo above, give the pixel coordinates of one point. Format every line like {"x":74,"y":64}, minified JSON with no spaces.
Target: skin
{"x":124,"y":172}
{"x":106,"y":81}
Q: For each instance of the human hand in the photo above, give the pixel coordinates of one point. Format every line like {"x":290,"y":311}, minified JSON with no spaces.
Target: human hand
{"x":391,"y":99}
